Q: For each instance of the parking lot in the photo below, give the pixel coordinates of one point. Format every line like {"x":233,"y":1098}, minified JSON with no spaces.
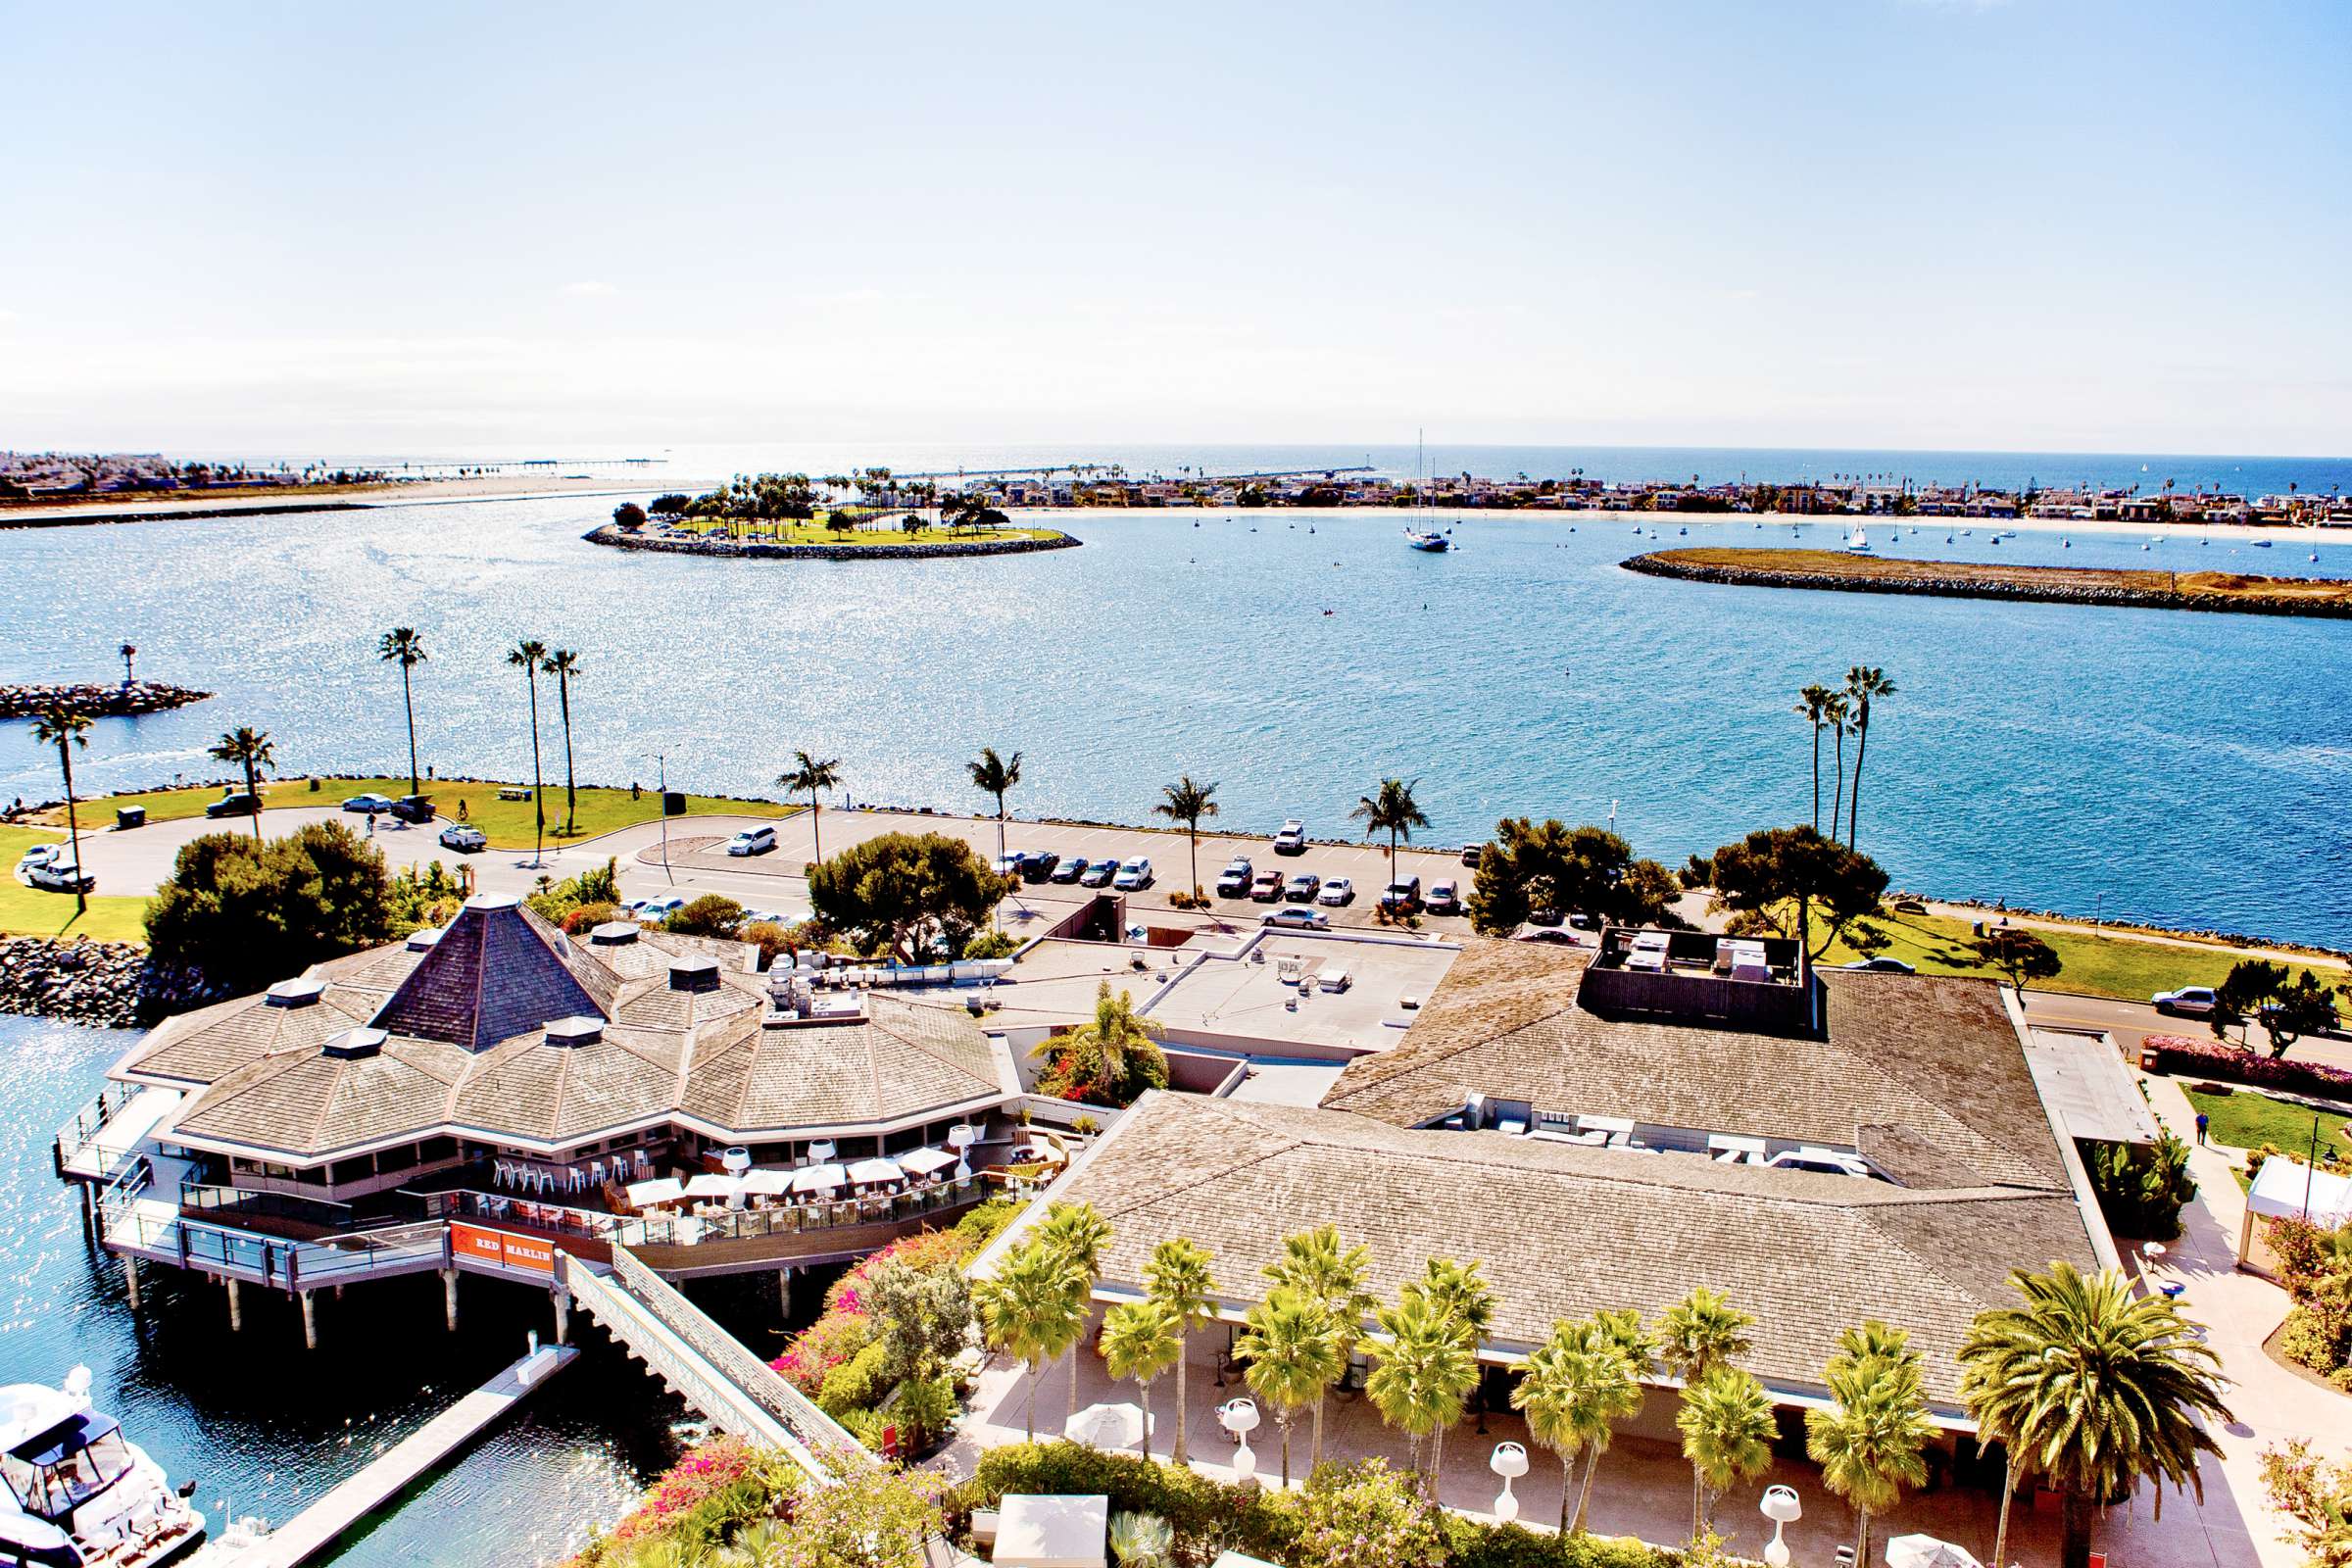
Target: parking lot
{"x":1366,"y":866}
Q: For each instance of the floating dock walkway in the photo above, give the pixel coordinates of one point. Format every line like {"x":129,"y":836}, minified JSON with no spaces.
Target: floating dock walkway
{"x":327,"y":1522}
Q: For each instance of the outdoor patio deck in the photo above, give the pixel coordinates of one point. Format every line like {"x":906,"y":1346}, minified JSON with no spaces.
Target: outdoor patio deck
{"x":1643,"y":1487}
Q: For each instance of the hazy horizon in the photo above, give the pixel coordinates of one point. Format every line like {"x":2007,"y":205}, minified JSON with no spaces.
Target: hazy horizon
{"x":1870,"y":225}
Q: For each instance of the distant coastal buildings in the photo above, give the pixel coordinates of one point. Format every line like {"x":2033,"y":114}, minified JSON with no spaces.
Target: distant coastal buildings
{"x":37,"y":476}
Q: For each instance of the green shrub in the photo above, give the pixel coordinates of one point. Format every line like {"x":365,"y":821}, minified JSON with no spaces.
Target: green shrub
{"x":1208,"y":1515}
{"x":858,"y":1384}
{"x":249,"y":915}
{"x":2313,"y":1337}
{"x":2141,"y":1191}
{"x":1475,"y":1543}
{"x":992,"y":945}
{"x":1141,"y":1540}
{"x":982,"y":1225}
{"x":922,"y":1410}
{"x":588,"y":916}
{"x":1367,"y":1516}
{"x":765,"y":935}
{"x":714,"y":914}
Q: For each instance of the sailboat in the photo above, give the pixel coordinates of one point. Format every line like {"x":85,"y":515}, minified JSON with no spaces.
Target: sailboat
{"x":1859,"y":541}
{"x":1426,"y":538}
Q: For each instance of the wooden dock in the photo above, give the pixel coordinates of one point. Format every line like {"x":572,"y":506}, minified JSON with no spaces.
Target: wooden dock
{"x":324,"y":1523}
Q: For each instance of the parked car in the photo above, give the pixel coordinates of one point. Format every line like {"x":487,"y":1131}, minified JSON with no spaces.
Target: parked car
{"x":1883,"y":965}
{"x":1134,"y":876}
{"x":414,"y":809}
{"x":237,"y":802}
{"x":1302,"y":889}
{"x":1292,"y":839}
{"x":1825,"y":1161}
{"x":2193,"y":1001}
{"x":1099,"y":874}
{"x":1234,"y":881}
{"x":1007,"y":864}
{"x":1401,"y":896}
{"x":753,"y":841}
{"x":464,"y":838}
{"x":368,"y":804}
{"x":1542,"y":917}
{"x":1445,"y":899}
{"x":1071,"y":870}
{"x":40,"y":855}
{"x":1337,"y":892}
{"x":1267,"y":889}
{"x":1297,"y":918}
{"x":1472,"y":853}
{"x":1552,"y":933}
{"x":61,"y":876}
{"x":658,"y":909}
{"x":1038,"y":865}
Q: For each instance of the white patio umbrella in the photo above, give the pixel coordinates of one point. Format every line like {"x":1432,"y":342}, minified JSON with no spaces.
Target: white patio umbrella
{"x":1925,"y":1552}
{"x":818,"y":1178}
{"x":661,"y":1190}
{"x":923,"y":1161}
{"x":1106,"y":1426}
{"x":709,"y":1186}
{"x":768,"y":1179}
{"x":867,"y":1171}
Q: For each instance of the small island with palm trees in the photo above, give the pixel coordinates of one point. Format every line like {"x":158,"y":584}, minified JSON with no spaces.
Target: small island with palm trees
{"x":789,"y":516}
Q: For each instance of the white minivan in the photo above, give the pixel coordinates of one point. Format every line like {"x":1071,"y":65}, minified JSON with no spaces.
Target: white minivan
{"x":753,"y":841}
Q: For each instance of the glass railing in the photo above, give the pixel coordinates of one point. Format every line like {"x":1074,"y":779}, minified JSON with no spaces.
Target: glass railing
{"x":658,"y":1228}
{"x":234,"y":1202}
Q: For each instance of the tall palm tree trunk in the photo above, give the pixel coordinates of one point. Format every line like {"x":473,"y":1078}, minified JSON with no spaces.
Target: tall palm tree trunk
{"x":816,"y":830}
{"x":1192,"y":831}
{"x":571,"y":807}
{"x":1817,"y":776}
{"x":1862,"y":1538}
{"x":1000,"y":824}
{"x":1029,"y":1410}
{"x":538,"y":786}
{"x":1315,"y":1458}
{"x":64,"y":760}
{"x":1072,"y":1413}
{"x":1184,"y":1344}
{"x":408,"y":699}
{"x":1284,"y":1417}
{"x":253,"y":787}
{"x":2000,"y":1532}
{"x":1853,"y":805}
{"x":1143,"y":1388}
{"x":1584,"y":1494}
{"x":2074,"y":1537}
{"x":1837,"y":796}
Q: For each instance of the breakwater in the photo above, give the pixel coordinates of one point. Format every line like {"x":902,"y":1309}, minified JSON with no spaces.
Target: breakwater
{"x":1842,"y":572}
{"x":108,"y":985}
{"x":97,"y":702}
{"x":623,"y":539}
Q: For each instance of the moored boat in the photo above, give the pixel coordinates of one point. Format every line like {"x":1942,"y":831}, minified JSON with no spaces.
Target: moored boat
{"x":74,"y":1491}
{"x":1430,"y":541}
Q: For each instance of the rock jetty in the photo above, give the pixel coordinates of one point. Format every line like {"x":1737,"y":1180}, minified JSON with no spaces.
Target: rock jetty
{"x":1839,"y":572}
{"x":97,"y":702}
{"x":620,"y":538}
{"x":109,"y":985}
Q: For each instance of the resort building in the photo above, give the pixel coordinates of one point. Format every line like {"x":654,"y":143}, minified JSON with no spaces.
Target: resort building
{"x":1610,"y":1129}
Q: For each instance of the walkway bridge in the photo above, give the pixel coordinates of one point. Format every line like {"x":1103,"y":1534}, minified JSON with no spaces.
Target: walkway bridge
{"x":681,"y":1344}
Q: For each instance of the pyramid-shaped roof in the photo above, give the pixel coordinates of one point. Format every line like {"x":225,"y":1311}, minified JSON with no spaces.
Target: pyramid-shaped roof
{"x":498,"y":971}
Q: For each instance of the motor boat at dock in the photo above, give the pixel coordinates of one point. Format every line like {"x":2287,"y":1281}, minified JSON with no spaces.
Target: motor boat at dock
{"x":74,"y":1491}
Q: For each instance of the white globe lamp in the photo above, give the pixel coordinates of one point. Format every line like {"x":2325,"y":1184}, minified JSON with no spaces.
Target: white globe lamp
{"x":1509,"y":1461}
{"x":1780,"y":1505}
{"x":1240,"y":1417}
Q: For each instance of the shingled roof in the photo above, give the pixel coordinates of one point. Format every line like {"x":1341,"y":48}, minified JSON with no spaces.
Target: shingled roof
{"x":1564,"y":1231}
{"x":466,"y":1048}
{"x":1925,"y":1076}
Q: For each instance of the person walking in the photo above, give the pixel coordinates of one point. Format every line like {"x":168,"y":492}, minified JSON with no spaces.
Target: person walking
{"x":2201,"y":1127}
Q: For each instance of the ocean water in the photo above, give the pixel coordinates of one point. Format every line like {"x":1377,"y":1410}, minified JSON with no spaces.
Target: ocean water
{"x":2178,"y":768}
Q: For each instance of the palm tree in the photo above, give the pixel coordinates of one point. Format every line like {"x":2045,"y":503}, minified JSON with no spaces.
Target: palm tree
{"x":1034,"y":1308}
{"x":530,"y":656}
{"x":1862,"y":684}
{"x":1292,"y":1344}
{"x":1394,"y":812}
{"x":1178,"y":1278}
{"x":564,"y":664}
{"x":994,"y":775}
{"x":249,"y":748}
{"x":1422,"y":1373}
{"x":1839,"y":714}
{"x":1188,"y":802}
{"x":1578,"y":1385}
{"x":1813,"y":705}
{"x":809,"y":774}
{"x":1461,"y":1291}
{"x":2092,"y":1389}
{"x":401,"y":646}
{"x":1314,"y":1264}
{"x":1075,"y":1234}
{"x":127,"y":653}
{"x":1700,"y":1333}
{"x":1140,"y":1342}
{"x":61,"y":727}
{"x":1869,"y":1444}
{"x":1727,"y":1426}
{"x":1112,"y":1042}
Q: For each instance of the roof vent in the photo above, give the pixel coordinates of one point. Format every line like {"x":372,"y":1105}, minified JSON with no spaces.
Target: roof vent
{"x":582,"y":1031}
{"x":297,"y":993}
{"x":421,"y":939}
{"x":353,"y":1044}
{"x":614,"y":934}
{"x":693,"y":974}
{"x":493,"y":900}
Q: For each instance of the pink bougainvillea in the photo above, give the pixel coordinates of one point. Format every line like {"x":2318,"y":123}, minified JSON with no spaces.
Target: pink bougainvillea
{"x":701,"y":1475}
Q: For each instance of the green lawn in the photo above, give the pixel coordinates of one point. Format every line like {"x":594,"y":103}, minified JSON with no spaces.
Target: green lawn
{"x":2092,"y":961}
{"x":508,"y":822}
{"x":2246,"y":1119}
{"x":30,"y":911}
{"x":817,"y":533}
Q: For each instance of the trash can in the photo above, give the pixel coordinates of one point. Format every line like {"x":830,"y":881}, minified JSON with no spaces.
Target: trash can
{"x":130,"y":817}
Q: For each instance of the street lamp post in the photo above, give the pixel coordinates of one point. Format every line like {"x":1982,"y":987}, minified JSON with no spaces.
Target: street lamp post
{"x":1780,"y":1505}
{"x":1240,"y":1417}
{"x":1509,"y":1461}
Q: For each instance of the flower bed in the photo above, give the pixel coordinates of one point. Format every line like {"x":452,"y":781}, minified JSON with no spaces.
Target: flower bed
{"x":2183,"y":1056}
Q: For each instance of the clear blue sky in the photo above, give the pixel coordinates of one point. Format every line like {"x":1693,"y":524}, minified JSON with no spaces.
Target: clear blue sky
{"x":1853,"y":223}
